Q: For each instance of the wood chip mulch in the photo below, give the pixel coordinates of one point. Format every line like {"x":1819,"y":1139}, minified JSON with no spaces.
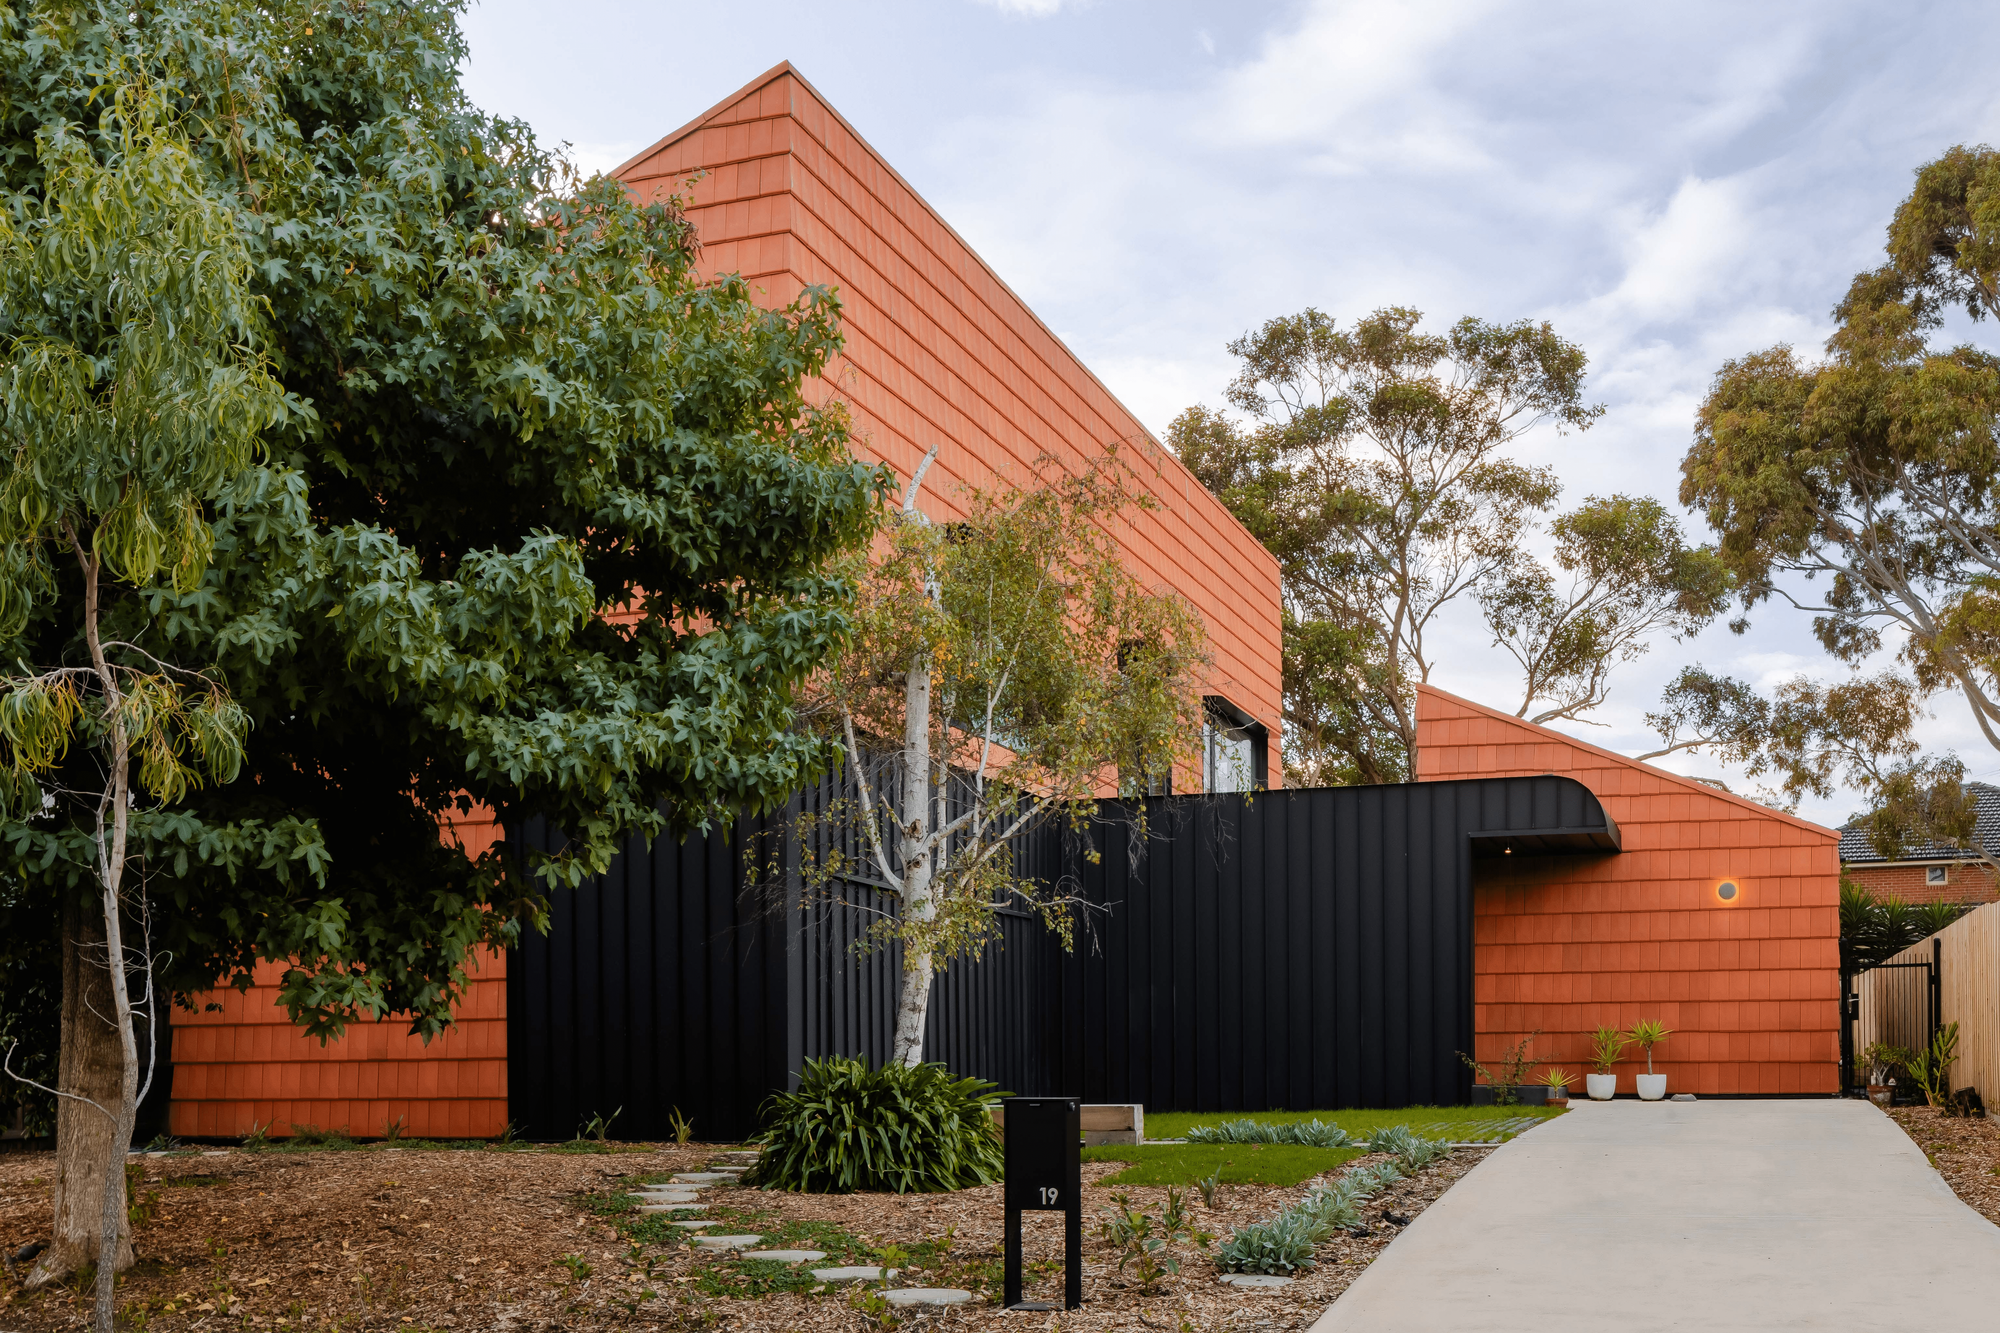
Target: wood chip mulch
{"x":1965,"y":1151}
{"x":469,"y":1239}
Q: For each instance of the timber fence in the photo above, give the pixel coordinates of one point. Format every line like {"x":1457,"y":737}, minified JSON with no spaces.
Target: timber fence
{"x":1896,"y":1006}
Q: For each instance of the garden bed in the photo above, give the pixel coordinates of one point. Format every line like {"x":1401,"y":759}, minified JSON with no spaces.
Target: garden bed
{"x":542,"y":1239}
{"x":1966,"y":1153}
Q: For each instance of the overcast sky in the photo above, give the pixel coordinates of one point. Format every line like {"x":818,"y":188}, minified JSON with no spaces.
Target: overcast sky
{"x":1670,"y":185}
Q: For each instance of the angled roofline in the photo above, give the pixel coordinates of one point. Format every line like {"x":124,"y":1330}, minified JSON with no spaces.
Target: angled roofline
{"x":784,"y":67}
{"x":1680,"y":780}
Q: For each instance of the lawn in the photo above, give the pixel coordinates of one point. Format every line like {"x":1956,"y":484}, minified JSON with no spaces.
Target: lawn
{"x":1238,"y":1163}
{"x":1461,"y":1124}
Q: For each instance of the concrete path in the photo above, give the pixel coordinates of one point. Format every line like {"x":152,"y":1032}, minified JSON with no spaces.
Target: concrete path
{"x":1711,"y":1215}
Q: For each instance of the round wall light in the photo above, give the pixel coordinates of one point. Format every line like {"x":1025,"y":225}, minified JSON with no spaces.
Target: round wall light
{"x":1728,"y":890}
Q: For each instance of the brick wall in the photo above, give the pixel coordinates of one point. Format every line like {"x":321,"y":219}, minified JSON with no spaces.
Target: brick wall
{"x":1749,"y":985}
{"x":1963,"y":884}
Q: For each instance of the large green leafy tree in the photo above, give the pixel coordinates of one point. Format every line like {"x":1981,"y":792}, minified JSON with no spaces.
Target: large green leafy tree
{"x":1374,"y":462}
{"x":557,"y":537}
{"x":1864,"y":489}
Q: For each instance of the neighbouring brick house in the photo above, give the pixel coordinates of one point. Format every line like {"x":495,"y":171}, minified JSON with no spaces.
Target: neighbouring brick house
{"x":1928,"y":874}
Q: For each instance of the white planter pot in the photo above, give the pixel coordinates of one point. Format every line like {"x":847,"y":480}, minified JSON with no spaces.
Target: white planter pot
{"x":1601,"y":1086}
{"x":1652,"y":1087}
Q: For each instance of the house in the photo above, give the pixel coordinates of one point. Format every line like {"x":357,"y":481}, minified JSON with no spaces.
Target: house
{"x":1932,"y":873}
{"x":1299,"y":949}
{"x":939,"y":352}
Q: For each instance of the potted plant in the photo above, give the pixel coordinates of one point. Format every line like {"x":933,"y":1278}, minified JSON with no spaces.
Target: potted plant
{"x":1606,"y":1046}
{"x":1646,"y":1034}
{"x":1882,"y":1060}
{"x":1557,"y":1080}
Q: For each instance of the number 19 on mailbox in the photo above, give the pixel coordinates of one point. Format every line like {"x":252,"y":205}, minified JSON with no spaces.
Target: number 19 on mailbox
{"x":1045,"y":1174}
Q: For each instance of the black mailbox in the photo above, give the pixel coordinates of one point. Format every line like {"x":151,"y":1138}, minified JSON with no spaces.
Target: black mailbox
{"x":1045,"y":1174}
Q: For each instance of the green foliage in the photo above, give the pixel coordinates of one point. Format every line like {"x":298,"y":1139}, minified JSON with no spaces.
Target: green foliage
{"x":910,"y":1129}
{"x":312,"y":1136}
{"x":1012,"y":666}
{"x":597,"y":1129}
{"x":1930,"y":1068}
{"x":1313,"y":1133}
{"x":1513,"y":1070}
{"x":1234,"y":1164}
{"x":1646,"y":1034}
{"x":1284,"y":1242}
{"x":1874,"y":930}
{"x":1557,"y":1079}
{"x":1607,"y":1048}
{"x":480,"y":403}
{"x":1876,"y":470}
{"x":683,"y":1127}
{"x":1883,"y":1059}
{"x":1145,"y":1244}
{"x":1461,"y":1123}
{"x":1373,"y":466}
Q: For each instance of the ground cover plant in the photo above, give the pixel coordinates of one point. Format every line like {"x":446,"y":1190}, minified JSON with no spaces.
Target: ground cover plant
{"x":1467,"y":1124}
{"x":1230,"y":1164}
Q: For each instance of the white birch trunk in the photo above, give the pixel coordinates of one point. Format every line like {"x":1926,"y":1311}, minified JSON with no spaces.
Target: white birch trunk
{"x":916,"y":852}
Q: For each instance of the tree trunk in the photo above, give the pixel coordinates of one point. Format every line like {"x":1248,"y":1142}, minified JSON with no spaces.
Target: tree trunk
{"x":919,"y":857}
{"x":91,"y":1059}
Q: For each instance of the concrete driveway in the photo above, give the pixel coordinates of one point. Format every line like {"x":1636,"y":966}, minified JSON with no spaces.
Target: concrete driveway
{"x":1690,"y":1215}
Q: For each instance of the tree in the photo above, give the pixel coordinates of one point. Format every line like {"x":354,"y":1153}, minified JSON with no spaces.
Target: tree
{"x":1701,"y":711}
{"x":560,"y":538}
{"x":1005,"y":670}
{"x":1373,"y":466}
{"x":133,"y":395}
{"x":1876,"y":468}
{"x":1631,"y":577}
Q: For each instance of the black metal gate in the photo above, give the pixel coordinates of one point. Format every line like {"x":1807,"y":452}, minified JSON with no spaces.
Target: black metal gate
{"x":1897,"y":1002}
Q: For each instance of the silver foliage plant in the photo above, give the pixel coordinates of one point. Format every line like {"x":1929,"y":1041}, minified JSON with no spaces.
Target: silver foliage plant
{"x":1283,"y":1243}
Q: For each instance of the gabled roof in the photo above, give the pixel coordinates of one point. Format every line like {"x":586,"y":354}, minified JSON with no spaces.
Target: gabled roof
{"x":1615,"y":760}
{"x":1855,"y":848}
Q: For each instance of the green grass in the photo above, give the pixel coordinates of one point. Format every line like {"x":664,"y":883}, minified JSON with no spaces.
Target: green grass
{"x":1463,"y":1122}
{"x":1239,"y":1163}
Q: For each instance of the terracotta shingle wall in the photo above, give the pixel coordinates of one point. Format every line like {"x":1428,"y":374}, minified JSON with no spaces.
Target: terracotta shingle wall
{"x":940,"y":351}
{"x":1750,"y":986}
{"x":246,"y":1064}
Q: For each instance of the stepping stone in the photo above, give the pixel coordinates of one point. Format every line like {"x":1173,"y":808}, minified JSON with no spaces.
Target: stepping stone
{"x":1682,"y":1097}
{"x":693,"y":1226}
{"x":926,"y":1296}
{"x":855,"y":1273}
{"x":725,"y":1242}
{"x":673,"y":1207}
{"x":668,"y":1196}
{"x":785,"y":1256}
{"x":702,"y":1177}
{"x":1256,"y":1280}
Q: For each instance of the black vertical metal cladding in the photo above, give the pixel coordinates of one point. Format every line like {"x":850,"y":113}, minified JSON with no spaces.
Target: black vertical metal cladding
{"x":1283,"y":950}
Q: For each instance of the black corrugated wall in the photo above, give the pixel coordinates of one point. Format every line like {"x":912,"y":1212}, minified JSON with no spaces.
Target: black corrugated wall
{"x":1299,"y":949}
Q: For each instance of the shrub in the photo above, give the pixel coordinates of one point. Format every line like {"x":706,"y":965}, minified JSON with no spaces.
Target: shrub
{"x":1410,"y":1152}
{"x":1284,"y":1244}
{"x":1309,"y":1134}
{"x":849,"y":1127}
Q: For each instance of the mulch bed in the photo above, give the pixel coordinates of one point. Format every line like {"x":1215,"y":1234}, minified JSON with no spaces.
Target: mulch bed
{"x":1965,"y":1151}
{"x":470,"y":1239}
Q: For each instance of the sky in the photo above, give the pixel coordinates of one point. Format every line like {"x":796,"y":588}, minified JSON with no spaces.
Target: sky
{"x":1671,"y":186}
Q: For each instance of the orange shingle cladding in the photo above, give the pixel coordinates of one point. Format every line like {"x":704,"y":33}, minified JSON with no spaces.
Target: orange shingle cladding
{"x":938,"y":350}
{"x":1750,"y":988}
{"x":246,"y":1064}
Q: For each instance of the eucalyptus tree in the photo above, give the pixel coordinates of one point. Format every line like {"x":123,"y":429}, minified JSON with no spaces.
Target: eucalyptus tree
{"x":1864,"y":489}
{"x":558,"y":538}
{"x":1374,"y":464}
{"x":1006,"y":669}
{"x":132,"y":394}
